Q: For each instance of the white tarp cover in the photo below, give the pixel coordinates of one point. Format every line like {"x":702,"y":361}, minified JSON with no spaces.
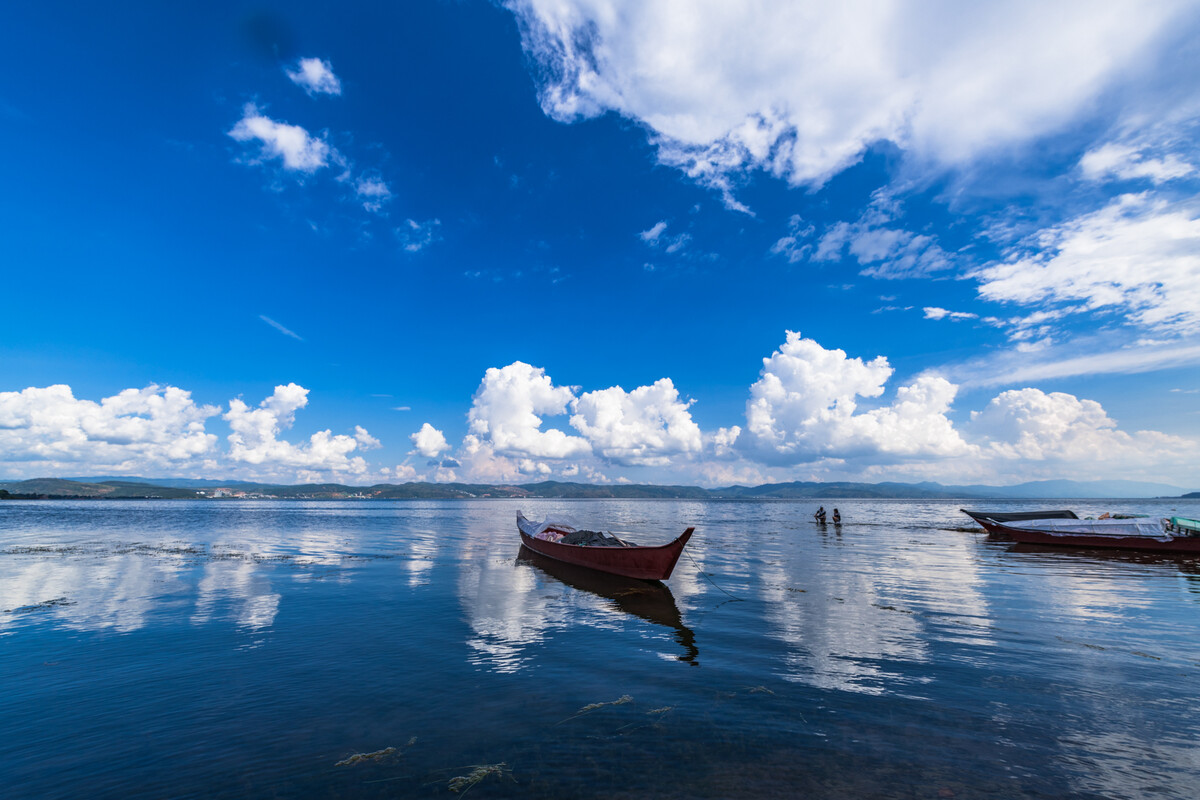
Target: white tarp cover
{"x":564,"y":529}
{"x":551,"y":528}
{"x":559,"y":523}
{"x":1146,"y":527}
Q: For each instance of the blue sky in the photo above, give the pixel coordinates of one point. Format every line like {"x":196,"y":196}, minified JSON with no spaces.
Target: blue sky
{"x":702,"y":243}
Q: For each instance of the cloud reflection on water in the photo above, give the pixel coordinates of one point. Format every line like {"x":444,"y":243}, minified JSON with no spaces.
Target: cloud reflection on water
{"x":74,"y":564}
{"x":244,"y":587}
{"x":118,"y":592}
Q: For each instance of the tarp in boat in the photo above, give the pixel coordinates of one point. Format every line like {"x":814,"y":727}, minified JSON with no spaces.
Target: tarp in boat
{"x":565,"y":530}
{"x":1143,"y":527}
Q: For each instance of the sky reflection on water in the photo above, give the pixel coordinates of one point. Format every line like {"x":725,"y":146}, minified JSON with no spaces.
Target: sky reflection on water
{"x":261,"y":643}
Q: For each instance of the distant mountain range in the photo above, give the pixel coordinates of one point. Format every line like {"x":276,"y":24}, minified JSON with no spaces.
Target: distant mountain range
{"x":180,"y":488}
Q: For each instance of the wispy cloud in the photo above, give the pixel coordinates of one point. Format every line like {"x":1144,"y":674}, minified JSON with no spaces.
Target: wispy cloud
{"x":1131,"y":162}
{"x":792,"y":246}
{"x":1139,"y":255}
{"x":882,"y":248}
{"x":760,"y":87}
{"x":303,"y":154}
{"x":650,"y":236}
{"x":933,"y":312}
{"x":280,"y":328}
{"x":656,"y":237}
{"x":416,"y":236}
{"x":1020,"y":368}
{"x":293,"y":145}
{"x":373,"y":192}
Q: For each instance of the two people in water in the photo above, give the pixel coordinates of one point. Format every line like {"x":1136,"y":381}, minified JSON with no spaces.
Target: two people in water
{"x":820,"y":516}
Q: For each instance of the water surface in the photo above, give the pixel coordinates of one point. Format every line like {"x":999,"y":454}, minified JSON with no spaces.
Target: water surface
{"x":252,"y":649}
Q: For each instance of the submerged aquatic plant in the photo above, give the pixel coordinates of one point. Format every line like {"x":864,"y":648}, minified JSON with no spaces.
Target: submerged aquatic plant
{"x":358,"y":758}
{"x":658,"y":715}
{"x":746,"y":690}
{"x":620,"y":701}
{"x":378,"y":755}
{"x":58,"y":601}
{"x":463,"y":783}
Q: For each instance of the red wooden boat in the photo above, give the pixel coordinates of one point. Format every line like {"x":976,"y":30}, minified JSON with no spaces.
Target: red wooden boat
{"x":616,"y":556}
{"x":1175,"y":535}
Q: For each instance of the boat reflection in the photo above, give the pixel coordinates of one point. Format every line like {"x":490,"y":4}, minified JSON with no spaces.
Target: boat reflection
{"x":1187,"y":563}
{"x":648,"y":600}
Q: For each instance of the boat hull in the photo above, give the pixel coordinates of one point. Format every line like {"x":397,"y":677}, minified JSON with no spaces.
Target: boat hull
{"x":644,"y":563}
{"x":1176,"y":544}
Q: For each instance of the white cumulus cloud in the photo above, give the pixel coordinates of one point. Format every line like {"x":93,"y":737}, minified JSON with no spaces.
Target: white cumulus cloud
{"x":254,"y":438}
{"x":507,"y":412}
{"x":478,"y":460}
{"x":50,"y":431}
{"x":429,"y":441}
{"x":646,"y":426}
{"x":1059,"y":434}
{"x":315,"y":76}
{"x":804,"y":408}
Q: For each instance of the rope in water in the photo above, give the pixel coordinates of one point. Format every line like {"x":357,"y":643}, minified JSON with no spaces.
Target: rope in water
{"x":710,"y":580}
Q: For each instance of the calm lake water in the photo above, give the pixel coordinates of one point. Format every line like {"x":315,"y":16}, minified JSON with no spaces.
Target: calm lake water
{"x":252,"y":649}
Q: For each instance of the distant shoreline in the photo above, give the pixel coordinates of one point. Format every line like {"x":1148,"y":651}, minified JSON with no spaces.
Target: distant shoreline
{"x":184,"y":489}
